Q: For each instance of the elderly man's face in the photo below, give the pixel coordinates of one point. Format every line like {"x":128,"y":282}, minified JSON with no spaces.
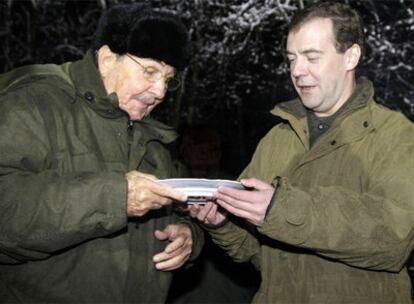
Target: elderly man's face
{"x":322,"y":77}
{"x":125,"y":76}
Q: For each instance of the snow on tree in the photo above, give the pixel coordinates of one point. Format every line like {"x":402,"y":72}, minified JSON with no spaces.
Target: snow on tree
{"x":238,"y":71}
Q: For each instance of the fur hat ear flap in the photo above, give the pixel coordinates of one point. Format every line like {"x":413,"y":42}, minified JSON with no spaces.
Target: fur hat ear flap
{"x":144,"y":32}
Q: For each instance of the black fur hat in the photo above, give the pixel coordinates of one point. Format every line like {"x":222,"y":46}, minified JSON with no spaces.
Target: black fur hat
{"x":138,"y":29}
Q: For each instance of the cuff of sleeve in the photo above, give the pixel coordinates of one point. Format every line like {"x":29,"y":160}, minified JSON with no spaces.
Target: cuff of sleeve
{"x":288,"y":220}
{"x":114,"y":191}
{"x":213,"y":227}
{"x":276,"y":183}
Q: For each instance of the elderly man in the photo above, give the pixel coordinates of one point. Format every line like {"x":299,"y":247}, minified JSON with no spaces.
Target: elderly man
{"x":82,"y":216}
{"x":329,"y":217}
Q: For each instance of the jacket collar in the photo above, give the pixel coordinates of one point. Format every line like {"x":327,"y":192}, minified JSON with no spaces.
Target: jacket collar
{"x":364,"y":91}
{"x":352,"y":123}
{"x":90,"y":89}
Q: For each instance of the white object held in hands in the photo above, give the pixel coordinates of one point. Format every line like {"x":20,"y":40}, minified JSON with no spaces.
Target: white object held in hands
{"x":200,"y":190}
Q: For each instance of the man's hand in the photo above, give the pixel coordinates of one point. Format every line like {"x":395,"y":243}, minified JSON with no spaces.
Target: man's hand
{"x":248,"y":204}
{"x":178,"y":251}
{"x":207,"y":214}
{"x":145,"y":193}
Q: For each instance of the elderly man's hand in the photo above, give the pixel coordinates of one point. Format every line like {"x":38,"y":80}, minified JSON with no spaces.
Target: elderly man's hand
{"x":145,"y":193}
{"x":179,"y":249}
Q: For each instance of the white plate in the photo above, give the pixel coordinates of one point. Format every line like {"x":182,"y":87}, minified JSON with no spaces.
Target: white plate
{"x":199,"y":190}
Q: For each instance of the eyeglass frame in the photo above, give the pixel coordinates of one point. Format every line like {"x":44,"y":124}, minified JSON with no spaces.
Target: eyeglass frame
{"x":167,"y":80}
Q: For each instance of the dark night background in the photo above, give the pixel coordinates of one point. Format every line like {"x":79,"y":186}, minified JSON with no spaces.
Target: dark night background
{"x":238,"y":72}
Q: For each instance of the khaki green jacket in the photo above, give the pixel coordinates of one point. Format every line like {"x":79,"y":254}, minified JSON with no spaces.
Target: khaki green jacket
{"x":65,"y":147}
{"x":342,"y":225}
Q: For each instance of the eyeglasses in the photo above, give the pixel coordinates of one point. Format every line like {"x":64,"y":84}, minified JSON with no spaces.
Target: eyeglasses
{"x":153,"y":74}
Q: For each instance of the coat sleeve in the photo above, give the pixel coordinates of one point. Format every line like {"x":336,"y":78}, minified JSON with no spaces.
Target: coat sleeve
{"x":42,"y":210}
{"x":373,"y":229}
{"x":238,"y":241}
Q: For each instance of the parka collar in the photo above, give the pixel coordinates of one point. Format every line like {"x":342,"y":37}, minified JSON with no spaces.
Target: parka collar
{"x":90,"y":88}
{"x":364,"y":91}
{"x":354,"y":123}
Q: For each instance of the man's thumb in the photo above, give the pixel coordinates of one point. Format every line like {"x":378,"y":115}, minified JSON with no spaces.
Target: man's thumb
{"x":255,"y":184}
{"x":161,"y":235}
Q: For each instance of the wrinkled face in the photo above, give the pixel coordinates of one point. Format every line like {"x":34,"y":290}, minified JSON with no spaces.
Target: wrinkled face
{"x":136,"y":94}
{"x":323,"y":78}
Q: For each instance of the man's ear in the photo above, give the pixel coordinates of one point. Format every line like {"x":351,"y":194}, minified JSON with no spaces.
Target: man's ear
{"x":106,"y":60}
{"x":353,"y":54}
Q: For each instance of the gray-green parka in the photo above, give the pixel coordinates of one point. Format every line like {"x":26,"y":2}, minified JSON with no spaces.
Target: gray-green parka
{"x":342,"y":225}
{"x":65,"y":147}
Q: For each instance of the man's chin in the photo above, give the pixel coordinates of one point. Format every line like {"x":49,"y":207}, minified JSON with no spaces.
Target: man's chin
{"x":137,"y":115}
{"x":309,"y":102}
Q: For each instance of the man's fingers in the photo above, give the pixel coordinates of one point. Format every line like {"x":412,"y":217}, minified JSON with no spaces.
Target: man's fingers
{"x":243,"y":199}
{"x":233,"y":193}
{"x":161,"y":235}
{"x":160,"y":257}
{"x":171,"y":264}
{"x":236,"y":200}
{"x":146,"y":182}
{"x":234,"y":210}
{"x":204,"y":210}
{"x":200,"y":212}
{"x":194,"y":210}
{"x":173,"y":249}
{"x":175,"y":245}
{"x":156,"y":201}
{"x":212,"y":212}
{"x":168,"y":191}
{"x":168,"y":261}
{"x":230,"y":208}
{"x":255,"y":184}
{"x":146,"y":193}
{"x":178,"y":251}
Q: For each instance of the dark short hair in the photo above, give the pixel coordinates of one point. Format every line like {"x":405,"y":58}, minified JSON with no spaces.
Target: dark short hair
{"x":347,"y":23}
{"x":142,"y":31}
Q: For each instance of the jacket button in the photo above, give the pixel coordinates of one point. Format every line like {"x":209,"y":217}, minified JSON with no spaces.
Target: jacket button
{"x":89,"y":96}
{"x":366,"y":124}
{"x":333,"y":143}
{"x":322,"y":126}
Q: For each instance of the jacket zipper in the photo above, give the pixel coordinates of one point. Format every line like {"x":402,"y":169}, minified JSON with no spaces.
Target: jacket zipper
{"x":130,"y":133}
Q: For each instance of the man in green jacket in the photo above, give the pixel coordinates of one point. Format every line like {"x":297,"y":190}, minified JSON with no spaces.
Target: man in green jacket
{"x":83,"y":218}
{"x":329,"y":216}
